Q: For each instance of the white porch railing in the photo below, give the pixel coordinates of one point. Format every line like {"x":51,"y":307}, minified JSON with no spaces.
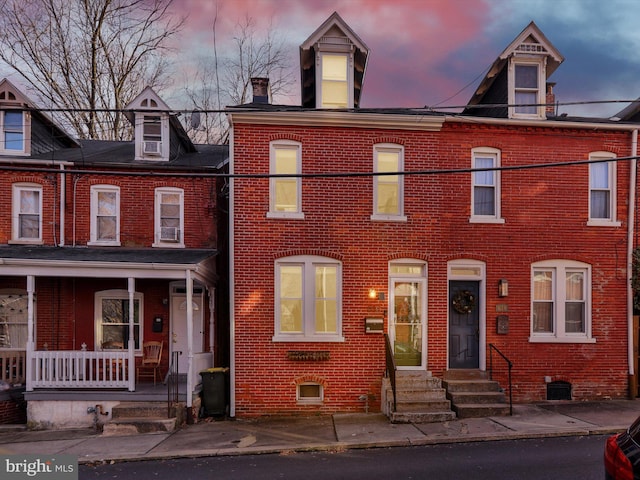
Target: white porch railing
{"x":80,"y":369}
{"x":13,"y":366}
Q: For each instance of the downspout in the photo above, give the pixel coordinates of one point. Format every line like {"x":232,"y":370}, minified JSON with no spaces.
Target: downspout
{"x":232,"y":325}
{"x":189,"y":284}
{"x":63,"y":199}
{"x":630,"y":246}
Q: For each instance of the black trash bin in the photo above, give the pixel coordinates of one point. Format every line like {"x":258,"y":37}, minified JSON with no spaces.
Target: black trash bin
{"x":215,"y":384}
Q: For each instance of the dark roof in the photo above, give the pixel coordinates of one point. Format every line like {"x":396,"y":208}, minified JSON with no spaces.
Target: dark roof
{"x":112,"y":153}
{"x":267,"y":107}
{"x":168,"y":256}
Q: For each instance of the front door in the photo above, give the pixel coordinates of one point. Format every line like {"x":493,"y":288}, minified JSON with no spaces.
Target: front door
{"x":407,"y":328}
{"x":464,"y":324}
{"x":179,"y":339}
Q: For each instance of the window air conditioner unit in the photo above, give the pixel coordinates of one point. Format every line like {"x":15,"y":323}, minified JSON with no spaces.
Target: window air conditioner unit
{"x":152,"y":148}
{"x":169,"y":234}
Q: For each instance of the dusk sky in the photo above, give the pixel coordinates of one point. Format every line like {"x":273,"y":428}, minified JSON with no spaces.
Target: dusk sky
{"x":435,"y":52}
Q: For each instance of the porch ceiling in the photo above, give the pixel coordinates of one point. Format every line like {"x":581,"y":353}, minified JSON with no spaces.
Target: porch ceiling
{"x":114,"y":262}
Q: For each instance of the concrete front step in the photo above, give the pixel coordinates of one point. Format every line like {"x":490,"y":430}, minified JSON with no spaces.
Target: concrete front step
{"x":140,"y":409}
{"x":461,"y":398}
{"x":423,"y":406}
{"x":422,"y":417}
{"x":464,"y":374}
{"x":421,"y":395}
{"x":135,"y":426}
{"x":481,"y":410}
{"x":471,"y":385}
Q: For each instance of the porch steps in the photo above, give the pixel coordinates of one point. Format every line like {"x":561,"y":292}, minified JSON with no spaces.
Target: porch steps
{"x":472,"y":395}
{"x":132,"y":418}
{"x":420,"y":398}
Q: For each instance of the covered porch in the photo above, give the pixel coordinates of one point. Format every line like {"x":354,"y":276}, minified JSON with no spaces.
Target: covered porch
{"x":80,"y":371}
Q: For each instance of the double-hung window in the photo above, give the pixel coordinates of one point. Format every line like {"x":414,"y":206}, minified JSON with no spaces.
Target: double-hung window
{"x":485,"y":190}
{"x":285,"y":191}
{"x":602,"y":198}
{"x":113,"y":317}
{"x":13,"y":319}
{"x":169,"y":217}
{"x":335,"y":81}
{"x":152,"y":135}
{"x":525,"y":96}
{"x":105,"y":215}
{"x":561,"y":302}
{"x":27,"y":213}
{"x":308,"y":299}
{"x":388,"y":184}
{"x":12,"y":131}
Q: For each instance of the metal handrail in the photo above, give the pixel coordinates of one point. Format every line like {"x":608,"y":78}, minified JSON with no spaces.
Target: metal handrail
{"x":391,"y":367}
{"x":172,"y":384}
{"x":492,"y":347}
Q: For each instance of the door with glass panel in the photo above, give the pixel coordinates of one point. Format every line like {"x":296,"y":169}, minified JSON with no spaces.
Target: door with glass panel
{"x":407,"y":327}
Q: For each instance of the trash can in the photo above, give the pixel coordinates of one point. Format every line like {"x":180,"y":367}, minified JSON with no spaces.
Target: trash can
{"x":215,"y":384}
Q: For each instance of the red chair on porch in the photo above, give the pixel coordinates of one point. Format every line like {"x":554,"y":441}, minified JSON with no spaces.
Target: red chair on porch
{"x":150,"y":364}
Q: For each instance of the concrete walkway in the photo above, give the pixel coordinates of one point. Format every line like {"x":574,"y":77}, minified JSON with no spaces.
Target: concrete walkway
{"x":337,"y":432}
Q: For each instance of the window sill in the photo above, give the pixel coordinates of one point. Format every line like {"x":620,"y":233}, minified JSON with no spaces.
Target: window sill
{"x":286,"y":215}
{"x":603,"y":223}
{"x":313,"y":338}
{"x":388,"y":218}
{"x":103,"y":244}
{"x":494,"y":220}
{"x":167,"y":245}
{"x":25,"y":242}
{"x":561,"y":340}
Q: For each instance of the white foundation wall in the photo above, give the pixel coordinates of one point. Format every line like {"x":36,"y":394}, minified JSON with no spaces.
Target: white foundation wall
{"x":62,"y":414}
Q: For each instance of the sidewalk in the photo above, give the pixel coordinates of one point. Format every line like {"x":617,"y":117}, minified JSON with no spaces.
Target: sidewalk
{"x":337,"y":432}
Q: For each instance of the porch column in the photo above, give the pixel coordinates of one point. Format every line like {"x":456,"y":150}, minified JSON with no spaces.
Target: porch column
{"x":30,"y":330}
{"x":131,"y":345}
{"x":189,"y":282}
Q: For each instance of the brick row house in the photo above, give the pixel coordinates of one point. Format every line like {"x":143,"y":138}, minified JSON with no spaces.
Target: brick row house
{"x":104,"y":246}
{"x":460,"y":240}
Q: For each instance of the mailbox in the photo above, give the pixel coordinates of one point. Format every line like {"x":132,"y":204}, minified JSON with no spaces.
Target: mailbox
{"x":157,"y":325}
{"x":373,"y":325}
{"x":502,"y":324}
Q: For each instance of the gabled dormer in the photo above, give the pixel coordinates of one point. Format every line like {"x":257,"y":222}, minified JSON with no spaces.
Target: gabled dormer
{"x":15,"y":121}
{"x":333,"y":61}
{"x":151,"y":120}
{"x":515,"y":85}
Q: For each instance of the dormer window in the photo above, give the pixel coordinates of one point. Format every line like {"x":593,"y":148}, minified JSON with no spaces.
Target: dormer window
{"x":333,"y":61}
{"x":336,"y":81}
{"x":151,"y":116}
{"x":12,"y":131}
{"x":526,"y":96}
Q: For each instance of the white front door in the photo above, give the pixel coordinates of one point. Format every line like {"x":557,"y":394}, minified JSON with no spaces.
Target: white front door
{"x":179,"y":339}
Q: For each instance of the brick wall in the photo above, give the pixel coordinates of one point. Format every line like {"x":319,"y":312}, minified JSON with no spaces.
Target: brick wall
{"x":545,"y":212}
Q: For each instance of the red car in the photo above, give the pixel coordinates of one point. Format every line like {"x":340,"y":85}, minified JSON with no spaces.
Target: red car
{"x":622,"y":454}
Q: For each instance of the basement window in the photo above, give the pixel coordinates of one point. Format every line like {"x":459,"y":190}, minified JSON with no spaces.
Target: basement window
{"x":310,"y":393}
{"x":559,"y":390}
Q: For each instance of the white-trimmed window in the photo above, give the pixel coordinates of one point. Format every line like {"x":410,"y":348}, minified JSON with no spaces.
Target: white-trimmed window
{"x":169,"y":217}
{"x":112,"y":317}
{"x":27,"y":213}
{"x":335,"y":80}
{"x":12,"y":125}
{"x":285,"y":192}
{"x":602,"y":191}
{"x":561,"y":302}
{"x":526,"y":92}
{"x":309,"y":392}
{"x":388,"y":189}
{"x":308,"y":299}
{"x":105,"y":215}
{"x":485,"y":190}
{"x":13,"y":319}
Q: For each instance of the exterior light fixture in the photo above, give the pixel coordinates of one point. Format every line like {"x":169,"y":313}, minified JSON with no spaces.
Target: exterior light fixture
{"x":373,"y":294}
{"x":503,"y":287}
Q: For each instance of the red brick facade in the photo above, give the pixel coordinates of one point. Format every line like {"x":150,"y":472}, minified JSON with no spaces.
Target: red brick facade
{"x":545,"y":212}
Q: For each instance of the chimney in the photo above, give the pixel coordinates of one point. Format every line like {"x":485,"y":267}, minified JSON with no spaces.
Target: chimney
{"x":260,"y":89}
{"x":550,"y":100}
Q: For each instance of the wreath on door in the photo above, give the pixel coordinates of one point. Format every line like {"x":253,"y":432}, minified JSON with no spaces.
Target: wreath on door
{"x":463,"y":302}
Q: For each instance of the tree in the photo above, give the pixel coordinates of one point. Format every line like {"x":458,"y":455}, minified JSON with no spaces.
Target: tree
{"x":88,"y":58}
{"x":227,"y":81}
